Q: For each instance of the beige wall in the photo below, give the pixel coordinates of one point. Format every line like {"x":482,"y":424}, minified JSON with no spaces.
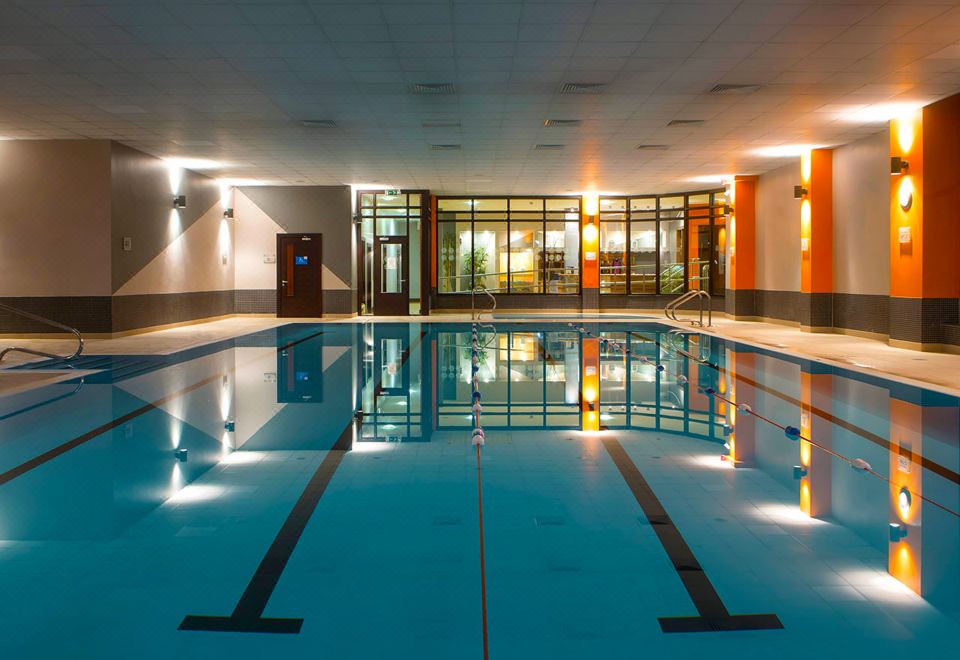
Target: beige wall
{"x":778,"y":230}
{"x":861,"y":216}
{"x":55,"y":218}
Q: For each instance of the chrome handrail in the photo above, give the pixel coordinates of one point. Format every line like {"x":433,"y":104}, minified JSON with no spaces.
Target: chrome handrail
{"x":474,"y":314}
{"x":45,"y":321}
{"x":670,"y":310}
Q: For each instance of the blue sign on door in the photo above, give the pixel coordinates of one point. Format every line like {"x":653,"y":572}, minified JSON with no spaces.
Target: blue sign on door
{"x":301,"y":261}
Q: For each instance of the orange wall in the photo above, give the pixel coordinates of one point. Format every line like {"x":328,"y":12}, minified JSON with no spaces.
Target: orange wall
{"x":816,"y":263}
{"x":941,"y":199}
{"x":906,"y":260}
{"x":743,"y":233}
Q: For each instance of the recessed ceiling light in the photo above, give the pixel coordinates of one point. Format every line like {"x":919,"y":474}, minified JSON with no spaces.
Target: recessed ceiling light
{"x":734,"y":89}
{"x":549,"y":147}
{"x":433,"y":88}
{"x":318,"y":123}
{"x":784,"y":150}
{"x":562,"y":123}
{"x":652,"y":147}
{"x":581,"y":88}
{"x":712,"y":178}
{"x":685,"y":122}
{"x":194,"y":163}
{"x":445,"y":147}
{"x":881,"y":112}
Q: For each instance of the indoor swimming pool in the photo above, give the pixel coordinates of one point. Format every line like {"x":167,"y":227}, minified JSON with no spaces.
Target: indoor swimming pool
{"x":313,"y":490}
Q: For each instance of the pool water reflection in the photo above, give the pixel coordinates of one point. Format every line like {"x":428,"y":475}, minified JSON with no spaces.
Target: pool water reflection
{"x":318,"y":481}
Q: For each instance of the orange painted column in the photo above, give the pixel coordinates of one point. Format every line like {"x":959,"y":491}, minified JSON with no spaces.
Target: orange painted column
{"x":590,"y":253}
{"x":816,"y":394}
{"x":590,"y":384}
{"x":816,"y":240}
{"x":743,"y":440}
{"x":924,"y":232}
{"x":742,"y":240}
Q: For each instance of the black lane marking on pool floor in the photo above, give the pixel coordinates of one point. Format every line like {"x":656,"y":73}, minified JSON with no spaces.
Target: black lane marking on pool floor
{"x":247,"y":616}
{"x":713,"y":614}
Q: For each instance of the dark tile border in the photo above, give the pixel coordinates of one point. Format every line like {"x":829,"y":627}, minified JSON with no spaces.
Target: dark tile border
{"x":144,"y":311}
{"x":86,"y":313}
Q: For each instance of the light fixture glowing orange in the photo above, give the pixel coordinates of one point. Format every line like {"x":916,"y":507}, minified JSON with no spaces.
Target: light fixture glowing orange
{"x":591,"y":204}
{"x":590,"y":233}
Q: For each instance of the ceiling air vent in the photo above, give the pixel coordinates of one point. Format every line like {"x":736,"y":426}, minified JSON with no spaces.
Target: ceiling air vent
{"x":652,"y":147}
{"x":581,"y":88}
{"x":549,"y":147}
{"x":318,"y":123}
{"x":440,"y":124}
{"x":433,"y":88}
{"x":734,"y":89}
{"x":685,"y":122}
{"x":445,"y":147}
{"x":562,"y":123}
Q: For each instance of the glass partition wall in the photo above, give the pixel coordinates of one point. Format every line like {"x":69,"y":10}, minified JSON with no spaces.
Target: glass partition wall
{"x":522,"y":245}
{"x":389,"y":239}
{"x":664,"y":244}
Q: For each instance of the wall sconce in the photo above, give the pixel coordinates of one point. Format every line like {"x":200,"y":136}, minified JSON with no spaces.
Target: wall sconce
{"x":228,"y":214}
{"x":905,"y":194}
{"x":799,"y":192}
{"x":898,"y":165}
{"x":727,"y":209}
{"x":904,"y":501}
{"x":897,"y":532}
{"x":180,"y":202}
{"x":230,"y":426}
{"x":590,"y":233}
{"x":181,"y":455}
{"x":799,"y":472}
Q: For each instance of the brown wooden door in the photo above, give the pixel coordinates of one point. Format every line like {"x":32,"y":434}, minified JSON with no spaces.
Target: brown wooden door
{"x":391,"y":272}
{"x":299,"y":291}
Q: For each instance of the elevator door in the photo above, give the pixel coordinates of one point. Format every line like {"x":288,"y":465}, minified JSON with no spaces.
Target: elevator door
{"x":391,"y":285}
{"x":299,"y":290}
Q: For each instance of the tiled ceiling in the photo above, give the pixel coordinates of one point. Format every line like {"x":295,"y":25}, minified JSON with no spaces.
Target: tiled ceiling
{"x":235,"y":81}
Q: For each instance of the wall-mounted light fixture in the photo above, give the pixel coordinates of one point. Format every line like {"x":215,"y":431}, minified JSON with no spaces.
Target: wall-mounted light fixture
{"x":727,"y":209}
{"x":898,"y":532}
{"x":904,"y":502}
{"x":799,"y":192}
{"x":799,"y":472}
{"x":228,"y":214}
{"x":898,"y":165}
{"x":590,"y":233}
{"x":180,"y":202}
{"x":181,"y":455}
{"x":230,"y":426}
{"x":905,"y":194}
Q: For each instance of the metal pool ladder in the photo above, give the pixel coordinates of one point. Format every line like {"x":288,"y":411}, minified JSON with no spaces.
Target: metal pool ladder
{"x":474,"y":313}
{"x":671,"y":309}
{"x":45,"y":321}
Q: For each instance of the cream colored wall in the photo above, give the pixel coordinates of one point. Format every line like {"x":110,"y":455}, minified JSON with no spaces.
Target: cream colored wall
{"x":778,"y":230}
{"x":55,"y":218}
{"x":256,"y":238}
{"x":861,"y":216}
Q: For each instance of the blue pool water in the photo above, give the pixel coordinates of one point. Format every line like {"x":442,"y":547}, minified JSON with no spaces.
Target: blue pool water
{"x":293,"y":527}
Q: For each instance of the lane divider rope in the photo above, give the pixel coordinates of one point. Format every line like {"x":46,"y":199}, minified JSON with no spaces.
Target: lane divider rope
{"x":478,"y":441}
{"x":791,"y":432}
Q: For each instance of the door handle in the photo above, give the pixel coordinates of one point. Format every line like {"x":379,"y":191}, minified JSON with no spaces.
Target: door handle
{"x":283,"y":282}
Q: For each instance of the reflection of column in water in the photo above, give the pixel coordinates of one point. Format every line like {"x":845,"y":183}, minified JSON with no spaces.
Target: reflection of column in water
{"x":571,"y":368}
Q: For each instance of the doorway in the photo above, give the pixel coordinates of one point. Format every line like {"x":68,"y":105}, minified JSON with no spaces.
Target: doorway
{"x":299,"y":288}
{"x":391,"y":277}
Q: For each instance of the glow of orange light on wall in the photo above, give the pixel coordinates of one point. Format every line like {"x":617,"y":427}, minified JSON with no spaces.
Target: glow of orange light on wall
{"x":591,"y":205}
{"x":805,"y":166}
{"x":805,"y":495}
{"x":590,"y":384}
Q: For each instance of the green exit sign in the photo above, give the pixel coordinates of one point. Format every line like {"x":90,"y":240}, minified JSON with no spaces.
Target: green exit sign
{"x":393,"y":191}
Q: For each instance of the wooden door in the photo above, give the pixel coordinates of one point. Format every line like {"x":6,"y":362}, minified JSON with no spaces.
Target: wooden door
{"x":299,"y":289}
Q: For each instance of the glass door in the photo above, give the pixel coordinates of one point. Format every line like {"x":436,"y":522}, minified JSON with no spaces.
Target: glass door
{"x":391,"y":285}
